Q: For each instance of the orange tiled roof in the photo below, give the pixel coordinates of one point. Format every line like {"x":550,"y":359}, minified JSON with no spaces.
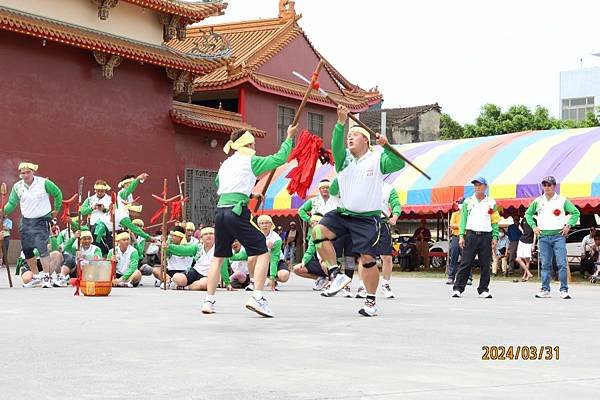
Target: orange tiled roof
{"x":194,"y":11}
{"x":78,"y":36}
{"x":252,"y":44}
{"x":210,"y":119}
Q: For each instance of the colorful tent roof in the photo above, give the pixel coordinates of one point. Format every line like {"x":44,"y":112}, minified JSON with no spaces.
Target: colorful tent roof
{"x":513,"y":165}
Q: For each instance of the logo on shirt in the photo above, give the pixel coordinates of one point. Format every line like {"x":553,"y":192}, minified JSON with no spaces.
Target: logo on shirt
{"x":370,"y":172}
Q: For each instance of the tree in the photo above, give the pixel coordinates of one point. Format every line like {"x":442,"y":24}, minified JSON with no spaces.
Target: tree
{"x":518,"y":118}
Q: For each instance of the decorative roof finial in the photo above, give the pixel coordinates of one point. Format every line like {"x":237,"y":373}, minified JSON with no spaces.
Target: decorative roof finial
{"x":286,"y":9}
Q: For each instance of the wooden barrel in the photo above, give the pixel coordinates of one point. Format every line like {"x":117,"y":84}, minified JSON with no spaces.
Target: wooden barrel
{"x":95,"y":277}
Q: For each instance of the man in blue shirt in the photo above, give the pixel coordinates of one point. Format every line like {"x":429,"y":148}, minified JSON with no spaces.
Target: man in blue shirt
{"x":514,"y":234}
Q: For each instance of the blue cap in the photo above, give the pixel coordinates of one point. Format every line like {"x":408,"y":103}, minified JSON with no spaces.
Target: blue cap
{"x":479,"y":179}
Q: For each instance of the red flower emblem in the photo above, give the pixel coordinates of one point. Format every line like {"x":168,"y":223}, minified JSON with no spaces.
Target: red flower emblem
{"x":490,"y":211}
{"x":557,"y":212}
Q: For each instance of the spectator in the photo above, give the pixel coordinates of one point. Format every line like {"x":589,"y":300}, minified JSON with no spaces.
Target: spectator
{"x":280,"y":232}
{"x":514,"y":234}
{"x":291,"y":237}
{"x":454,"y":248}
{"x":6,"y":228}
{"x":501,"y":254}
{"x":524,"y":250}
{"x":422,"y":236}
{"x":587,"y":254}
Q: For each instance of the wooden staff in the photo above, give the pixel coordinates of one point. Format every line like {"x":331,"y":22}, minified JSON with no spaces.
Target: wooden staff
{"x":79,"y":194}
{"x":113,"y":198}
{"x":3,"y":193}
{"x":160,"y":224}
{"x":312,"y":84}
{"x":362,"y":125}
{"x":163,"y":251}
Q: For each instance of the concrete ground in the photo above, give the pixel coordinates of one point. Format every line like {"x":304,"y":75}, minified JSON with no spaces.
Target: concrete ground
{"x":144,"y":343}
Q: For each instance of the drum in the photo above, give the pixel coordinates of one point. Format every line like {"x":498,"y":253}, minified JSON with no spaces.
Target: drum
{"x":95,"y":277}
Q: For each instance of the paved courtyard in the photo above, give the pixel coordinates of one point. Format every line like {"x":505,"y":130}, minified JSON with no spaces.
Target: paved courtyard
{"x":146,"y":344}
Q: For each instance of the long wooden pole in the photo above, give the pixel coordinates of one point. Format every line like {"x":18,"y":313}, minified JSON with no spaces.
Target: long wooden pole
{"x":311,"y":86}
{"x":163,"y":252}
{"x":363,"y":125}
{"x":79,"y":195}
{"x":3,"y":192}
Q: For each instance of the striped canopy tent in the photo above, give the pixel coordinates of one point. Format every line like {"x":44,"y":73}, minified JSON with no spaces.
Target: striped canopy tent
{"x":513,"y":165}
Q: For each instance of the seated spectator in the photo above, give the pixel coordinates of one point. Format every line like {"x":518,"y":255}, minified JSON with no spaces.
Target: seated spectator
{"x":524,"y":250}
{"x":501,"y":253}
{"x":588,"y":258}
{"x":422,"y":236}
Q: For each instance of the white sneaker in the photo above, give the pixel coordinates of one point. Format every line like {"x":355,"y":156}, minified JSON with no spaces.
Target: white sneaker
{"x":157,"y":283}
{"x":543,"y":294}
{"x":387,"y":291}
{"x":47,"y":281}
{"x":340,"y":282}
{"x":564,"y":295}
{"x":456,"y":293}
{"x":485,"y":295}
{"x":172,"y":286}
{"x":208,"y":307}
{"x":61,"y":281}
{"x":261,"y":307}
{"x":361,"y":293}
{"x":368,"y":310}
{"x":250,"y":287}
{"x":320,"y":283}
{"x":125,"y":284}
{"x":36,"y":282}
{"x":347,"y":292}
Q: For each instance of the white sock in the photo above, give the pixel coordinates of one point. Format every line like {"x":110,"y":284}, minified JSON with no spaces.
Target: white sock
{"x":257,"y":294}
{"x":210,"y":298}
{"x":385,"y":282}
{"x":361,"y":284}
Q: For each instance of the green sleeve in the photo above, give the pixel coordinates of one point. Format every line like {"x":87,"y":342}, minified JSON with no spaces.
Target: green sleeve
{"x":334,"y":189}
{"x":53,"y":243}
{"x":140,"y":247}
{"x":572,"y":211}
{"x":126,"y":223}
{"x":98,"y":252}
{"x":225,"y":272}
{"x":260,"y":165}
{"x":495,"y":231}
{"x":309,"y":253}
{"x":133,"y":264}
{"x":275,"y":256}
{"x":390,"y":162}
{"x":182,"y":250}
{"x":531,"y":211}
{"x":124,"y":194}
{"x":464,"y":214}
{"x":13,"y":200}
{"x":338,"y":148}
{"x":86,"y":209}
{"x":110,"y":254}
{"x":217,"y":181}
{"x":239,"y":256}
{"x":60,"y":238}
{"x":70,"y":245}
{"x":55,"y":192}
{"x":395,"y":203}
{"x":304,"y":210}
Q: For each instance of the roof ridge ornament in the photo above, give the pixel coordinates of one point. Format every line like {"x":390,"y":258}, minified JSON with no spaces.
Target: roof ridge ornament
{"x":103,"y":7}
{"x":210,"y":45}
{"x":287,"y":9}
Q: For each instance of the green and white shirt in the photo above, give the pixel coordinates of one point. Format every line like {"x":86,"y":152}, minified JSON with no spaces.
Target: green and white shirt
{"x":127,"y":261}
{"x":34,"y":200}
{"x":552,"y":214}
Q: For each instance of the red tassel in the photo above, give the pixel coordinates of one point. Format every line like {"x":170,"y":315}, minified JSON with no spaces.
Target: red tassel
{"x":158,"y":214}
{"x":75,"y":282}
{"x":306,"y":152}
{"x":66,"y":208}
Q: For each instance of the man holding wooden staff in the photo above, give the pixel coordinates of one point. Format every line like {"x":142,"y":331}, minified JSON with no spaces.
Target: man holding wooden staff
{"x":360,"y":175}
{"x":32,"y":193}
{"x":235,"y":181}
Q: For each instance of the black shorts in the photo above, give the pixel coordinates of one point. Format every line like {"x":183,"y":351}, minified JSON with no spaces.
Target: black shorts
{"x":229,"y":227}
{"x":192,"y":276}
{"x":35,"y":234}
{"x":69,"y":261}
{"x":364,"y":231}
{"x":172,"y":272}
{"x":343,"y":246}
{"x":314,"y":268}
{"x":385,"y":239}
{"x":282,"y":266}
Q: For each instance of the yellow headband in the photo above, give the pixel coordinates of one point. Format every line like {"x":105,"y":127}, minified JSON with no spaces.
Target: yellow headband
{"x":138,"y":222}
{"x":190,"y":225}
{"x":363,"y":132}
{"x":125,"y":182}
{"x":122,"y":236}
{"x":28,"y":165}
{"x":101,"y":187}
{"x":207,"y":231}
{"x":323,"y":184}
{"x":240,"y":143}
{"x":265,"y":218}
{"x":85,"y":234}
{"x":133,"y":208}
{"x":180,"y":235}
{"x":315,"y":218}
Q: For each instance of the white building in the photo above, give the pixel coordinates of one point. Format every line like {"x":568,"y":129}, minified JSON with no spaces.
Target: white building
{"x":579,"y":92}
